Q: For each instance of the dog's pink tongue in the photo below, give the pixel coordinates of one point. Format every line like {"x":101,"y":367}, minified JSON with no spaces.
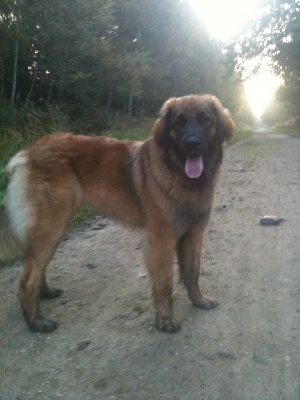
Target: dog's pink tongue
{"x":194,"y":167}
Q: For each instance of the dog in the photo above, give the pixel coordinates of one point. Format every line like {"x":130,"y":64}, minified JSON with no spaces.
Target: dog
{"x":164,"y":185}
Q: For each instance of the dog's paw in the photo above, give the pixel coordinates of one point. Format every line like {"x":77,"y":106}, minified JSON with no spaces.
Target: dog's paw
{"x":42,"y":325}
{"x":167,"y":324}
{"x":50,"y":293}
{"x":206,"y":303}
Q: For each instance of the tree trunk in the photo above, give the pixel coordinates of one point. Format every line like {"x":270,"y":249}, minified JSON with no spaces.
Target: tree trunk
{"x":129,"y":104}
{"x":61,"y":84}
{"x":50,"y":90}
{"x":15,"y":68}
{"x":110,"y":94}
{"x":32,"y":84}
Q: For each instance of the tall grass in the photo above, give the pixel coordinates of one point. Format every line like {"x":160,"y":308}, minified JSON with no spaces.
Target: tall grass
{"x":131,"y":129}
{"x":21,"y":126}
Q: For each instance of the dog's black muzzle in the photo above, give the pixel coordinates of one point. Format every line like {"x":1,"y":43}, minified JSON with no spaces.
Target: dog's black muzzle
{"x":192,"y":146}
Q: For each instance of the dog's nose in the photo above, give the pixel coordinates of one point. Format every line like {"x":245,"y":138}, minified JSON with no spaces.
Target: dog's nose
{"x":192,"y":141}
{"x":192,"y":145}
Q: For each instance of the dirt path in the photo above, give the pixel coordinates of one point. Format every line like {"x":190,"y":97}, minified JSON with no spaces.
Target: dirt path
{"x":106,"y":347}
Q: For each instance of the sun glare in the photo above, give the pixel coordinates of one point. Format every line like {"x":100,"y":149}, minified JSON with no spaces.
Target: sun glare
{"x":260,"y":90}
{"x":225,"y":19}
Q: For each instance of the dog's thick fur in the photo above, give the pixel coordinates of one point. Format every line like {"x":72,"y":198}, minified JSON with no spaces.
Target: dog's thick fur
{"x":164,"y":185}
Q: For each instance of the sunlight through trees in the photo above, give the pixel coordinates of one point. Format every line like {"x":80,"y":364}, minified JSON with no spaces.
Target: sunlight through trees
{"x":128,"y":56}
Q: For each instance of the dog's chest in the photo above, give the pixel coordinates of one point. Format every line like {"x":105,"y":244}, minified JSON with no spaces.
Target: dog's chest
{"x":187,"y":216}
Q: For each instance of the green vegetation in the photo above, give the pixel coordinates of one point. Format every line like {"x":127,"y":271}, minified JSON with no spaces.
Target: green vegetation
{"x":243,"y":134}
{"x":99,"y":59}
{"x":19,"y":128}
{"x":8,"y":146}
{"x":95,"y":61}
{"x":294,"y":132}
{"x":131,"y":129}
{"x":84,"y":213}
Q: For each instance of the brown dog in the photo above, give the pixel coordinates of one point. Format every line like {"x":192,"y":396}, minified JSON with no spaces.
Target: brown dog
{"x":164,"y":185}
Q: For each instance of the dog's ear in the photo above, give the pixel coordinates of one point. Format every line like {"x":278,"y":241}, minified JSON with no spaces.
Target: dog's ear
{"x":163,"y":125}
{"x":165,"y":134}
{"x":224,"y":122}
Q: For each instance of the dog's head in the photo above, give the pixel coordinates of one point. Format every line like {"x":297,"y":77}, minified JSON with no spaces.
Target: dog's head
{"x":190,"y":128}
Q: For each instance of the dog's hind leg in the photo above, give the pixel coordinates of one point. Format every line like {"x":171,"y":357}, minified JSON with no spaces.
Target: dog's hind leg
{"x":43,"y":239}
{"x":33,"y":283}
{"x":46,"y":292}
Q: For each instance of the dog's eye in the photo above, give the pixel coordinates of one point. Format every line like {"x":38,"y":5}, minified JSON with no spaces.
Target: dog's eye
{"x":202,"y":118}
{"x":180,"y":120}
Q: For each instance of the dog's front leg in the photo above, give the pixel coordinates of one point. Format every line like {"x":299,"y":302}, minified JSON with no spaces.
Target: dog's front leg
{"x":159,"y":250}
{"x":189,"y":250}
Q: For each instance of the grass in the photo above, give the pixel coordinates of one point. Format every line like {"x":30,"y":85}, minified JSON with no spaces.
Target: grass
{"x":132,"y":129}
{"x":10,"y":143}
{"x":294,"y":132}
{"x":21,"y":126}
{"x":242,"y":135}
{"x":84,"y":213}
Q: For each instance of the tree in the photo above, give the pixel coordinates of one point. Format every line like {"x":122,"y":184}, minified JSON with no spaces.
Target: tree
{"x":12,"y":28}
{"x":128,"y":55}
{"x":277,"y":35}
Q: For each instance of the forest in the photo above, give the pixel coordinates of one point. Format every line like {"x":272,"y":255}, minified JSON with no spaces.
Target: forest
{"x":87,"y":63}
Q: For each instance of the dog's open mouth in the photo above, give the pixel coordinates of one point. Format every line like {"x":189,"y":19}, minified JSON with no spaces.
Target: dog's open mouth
{"x":194,"y":166}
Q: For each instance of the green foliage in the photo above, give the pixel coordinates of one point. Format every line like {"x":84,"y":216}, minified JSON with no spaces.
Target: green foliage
{"x":128,"y":56}
{"x":243,"y":134}
{"x":20,"y":126}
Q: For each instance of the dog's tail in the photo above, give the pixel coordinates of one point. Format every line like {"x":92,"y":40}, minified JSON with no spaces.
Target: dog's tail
{"x":15,"y":212}
{"x":10,"y":245}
